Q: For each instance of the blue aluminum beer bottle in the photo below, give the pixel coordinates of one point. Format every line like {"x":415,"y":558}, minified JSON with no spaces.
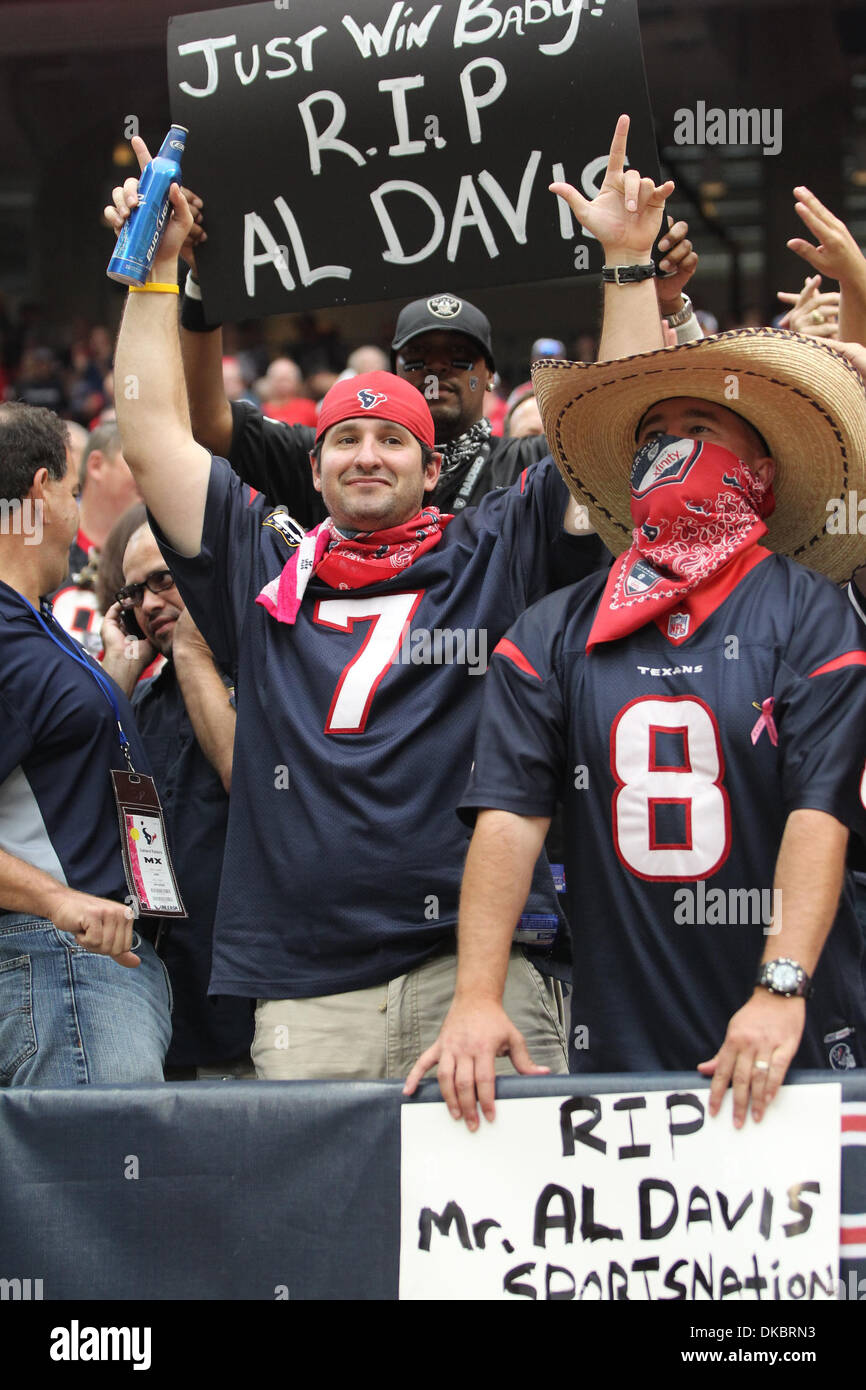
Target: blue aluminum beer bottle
{"x":142,"y":231}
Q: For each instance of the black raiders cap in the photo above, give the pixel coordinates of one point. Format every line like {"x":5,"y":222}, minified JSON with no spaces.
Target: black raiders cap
{"x":444,"y":311}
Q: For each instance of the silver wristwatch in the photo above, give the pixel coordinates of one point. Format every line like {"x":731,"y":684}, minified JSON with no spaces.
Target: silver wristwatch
{"x":682,"y":315}
{"x":784,"y":976}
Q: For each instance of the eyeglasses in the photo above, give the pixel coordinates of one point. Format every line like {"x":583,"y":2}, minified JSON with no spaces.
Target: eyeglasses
{"x":131,"y":595}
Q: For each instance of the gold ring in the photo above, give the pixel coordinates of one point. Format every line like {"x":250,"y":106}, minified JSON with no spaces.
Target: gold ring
{"x":761,"y":1066}
{"x":816,"y":316}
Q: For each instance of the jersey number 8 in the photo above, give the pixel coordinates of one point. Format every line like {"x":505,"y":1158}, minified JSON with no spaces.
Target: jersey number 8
{"x":671,"y":814}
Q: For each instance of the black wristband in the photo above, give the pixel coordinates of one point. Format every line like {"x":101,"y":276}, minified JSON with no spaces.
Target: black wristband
{"x":192,"y":316}
{"x":627,"y":274}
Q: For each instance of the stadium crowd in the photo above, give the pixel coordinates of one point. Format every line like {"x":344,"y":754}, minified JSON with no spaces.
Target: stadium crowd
{"x":271,"y":584}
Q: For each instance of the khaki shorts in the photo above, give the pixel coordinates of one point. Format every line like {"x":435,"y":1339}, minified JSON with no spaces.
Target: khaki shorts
{"x":379,"y":1033}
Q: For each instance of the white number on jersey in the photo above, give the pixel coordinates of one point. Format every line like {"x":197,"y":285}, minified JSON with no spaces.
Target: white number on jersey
{"x":691,"y":781}
{"x":77,"y":612}
{"x":391,"y":614}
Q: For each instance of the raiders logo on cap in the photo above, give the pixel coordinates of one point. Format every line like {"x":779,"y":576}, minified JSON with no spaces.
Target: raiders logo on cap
{"x":444,"y":306}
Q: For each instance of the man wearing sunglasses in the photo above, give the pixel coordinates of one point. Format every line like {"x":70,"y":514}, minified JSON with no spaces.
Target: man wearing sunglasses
{"x":187,"y":724}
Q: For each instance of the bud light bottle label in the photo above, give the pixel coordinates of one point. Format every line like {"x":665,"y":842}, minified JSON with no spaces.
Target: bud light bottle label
{"x":142,"y":231}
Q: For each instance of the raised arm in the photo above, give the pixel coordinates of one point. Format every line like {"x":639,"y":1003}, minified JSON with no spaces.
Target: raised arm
{"x":209,"y":409}
{"x":210,"y":412}
{"x":171,"y":470}
{"x":625,"y":217}
{"x":838,"y":255}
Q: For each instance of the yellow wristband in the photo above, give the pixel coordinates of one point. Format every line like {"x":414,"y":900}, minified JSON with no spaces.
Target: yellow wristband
{"x":154,"y":289}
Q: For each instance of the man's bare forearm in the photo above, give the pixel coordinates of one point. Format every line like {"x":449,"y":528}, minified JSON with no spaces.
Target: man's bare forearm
{"x":152,"y":408}
{"x":808,"y":881}
{"x":763,"y":1036}
{"x":171,"y":470}
{"x":496,"y":883}
{"x":631,"y":322}
{"x":209,"y":409}
{"x":207,"y":703}
{"x":124,"y":671}
{"x":24,"y":888}
{"x":852,"y":311}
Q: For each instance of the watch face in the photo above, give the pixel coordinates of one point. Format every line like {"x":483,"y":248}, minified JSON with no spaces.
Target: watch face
{"x":785,"y":977}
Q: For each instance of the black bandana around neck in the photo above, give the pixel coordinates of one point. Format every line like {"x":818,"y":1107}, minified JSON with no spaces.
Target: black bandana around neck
{"x":464,"y":448}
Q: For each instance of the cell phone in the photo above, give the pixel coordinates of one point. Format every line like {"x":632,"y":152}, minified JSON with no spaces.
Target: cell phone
{"x":129,"y":623}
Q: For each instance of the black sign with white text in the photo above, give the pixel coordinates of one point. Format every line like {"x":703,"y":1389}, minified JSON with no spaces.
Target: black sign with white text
{"x":373,"y":149}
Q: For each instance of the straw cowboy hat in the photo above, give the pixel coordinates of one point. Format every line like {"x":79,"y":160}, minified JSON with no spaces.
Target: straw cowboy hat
{"x":806,"y":401}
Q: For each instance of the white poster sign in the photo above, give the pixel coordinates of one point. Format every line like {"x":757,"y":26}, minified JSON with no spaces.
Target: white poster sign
{"x":623,"y":1195}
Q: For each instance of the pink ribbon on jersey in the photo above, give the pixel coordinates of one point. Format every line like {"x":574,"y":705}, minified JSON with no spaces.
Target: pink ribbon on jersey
{"x":282,"y":596}
{"x":767,"y":722}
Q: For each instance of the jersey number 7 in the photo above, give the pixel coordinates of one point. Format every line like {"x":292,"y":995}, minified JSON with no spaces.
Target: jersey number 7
{"x":360,"y":677}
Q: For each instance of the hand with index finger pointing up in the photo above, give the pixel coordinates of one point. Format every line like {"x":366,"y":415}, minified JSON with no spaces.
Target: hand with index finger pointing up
{"x":626,"y":214}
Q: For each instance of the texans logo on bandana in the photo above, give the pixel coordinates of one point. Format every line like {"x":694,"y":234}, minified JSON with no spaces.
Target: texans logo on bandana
{"x":656,"y":466}
{"x":370,"y":398}
{"x":640,"y":579}
{"x":732,"y":481}
{"x":702,"y":508}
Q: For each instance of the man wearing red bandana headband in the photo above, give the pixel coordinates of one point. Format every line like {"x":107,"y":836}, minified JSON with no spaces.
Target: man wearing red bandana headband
{"x":375,"y":425}
{"x":357,"y":649}
{"x":699,"y":714}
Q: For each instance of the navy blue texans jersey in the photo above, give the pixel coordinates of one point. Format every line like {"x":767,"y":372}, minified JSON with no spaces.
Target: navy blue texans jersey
{"x":354,"y":734}
{"x":59,"y":744}
{"x":675,"y":798}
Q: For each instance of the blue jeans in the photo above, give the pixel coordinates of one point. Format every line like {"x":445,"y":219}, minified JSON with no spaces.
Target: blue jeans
{"x":69,"y":1017}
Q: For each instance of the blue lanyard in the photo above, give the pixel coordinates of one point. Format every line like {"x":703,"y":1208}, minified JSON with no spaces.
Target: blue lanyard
{"x":81,"y":659}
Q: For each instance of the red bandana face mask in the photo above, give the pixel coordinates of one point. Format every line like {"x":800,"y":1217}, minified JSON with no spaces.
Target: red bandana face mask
{"x":350,"y":563}
{"x":696,"y":507}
